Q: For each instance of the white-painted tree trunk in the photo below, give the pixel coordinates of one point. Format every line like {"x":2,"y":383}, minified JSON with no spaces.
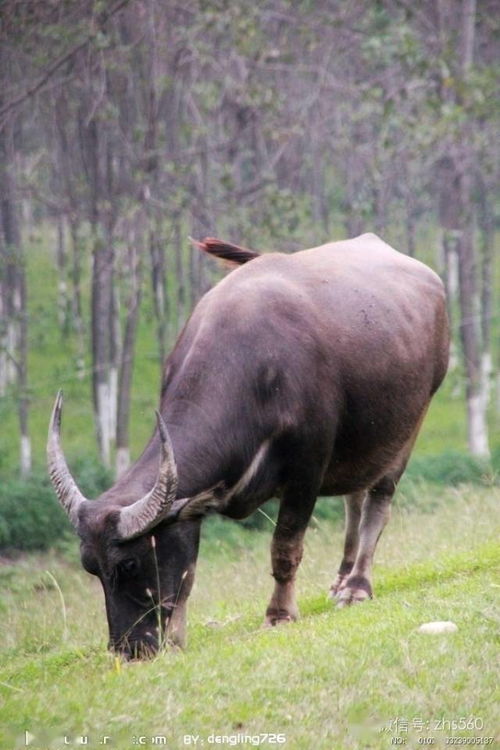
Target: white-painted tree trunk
{"x":103,"y":422}
{"x":12,"y":339}
{"x":122,"y":461}
{"x":453,"y":283}
{"x":3,"y":341}
{"x":486,"y":376}
{"x":4,"y":360}
{"x":25,"y":456}
{"x":113,"y":401}
{"x":497,"y":395}
{"x":454,"y":360}
{"x":3,"y":371}
{"x":477,"y":425}
{"x":80,"y":364}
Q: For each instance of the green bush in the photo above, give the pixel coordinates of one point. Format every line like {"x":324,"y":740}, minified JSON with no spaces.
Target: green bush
{"x":451,"y":468}
{"x":495,"y":461}
{"x":31,"y":517}
{"x":92,"y":477}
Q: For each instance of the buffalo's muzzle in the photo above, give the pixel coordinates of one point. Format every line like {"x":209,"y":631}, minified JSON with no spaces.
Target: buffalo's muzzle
{"x":145,"y":647}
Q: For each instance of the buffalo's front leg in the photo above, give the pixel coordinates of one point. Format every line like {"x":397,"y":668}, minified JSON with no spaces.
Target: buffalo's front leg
{"x":286,"y":554}
{"x":175,"y":630}
{"x":375,"y":512}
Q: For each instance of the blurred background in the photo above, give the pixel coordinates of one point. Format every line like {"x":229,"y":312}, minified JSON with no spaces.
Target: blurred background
{"x":127,"y":127}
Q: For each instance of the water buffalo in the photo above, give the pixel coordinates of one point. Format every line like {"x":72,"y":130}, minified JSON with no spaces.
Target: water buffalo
{"x":297,"y":375}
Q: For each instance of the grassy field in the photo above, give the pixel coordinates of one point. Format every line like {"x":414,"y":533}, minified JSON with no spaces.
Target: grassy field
{"x":337,"y":679}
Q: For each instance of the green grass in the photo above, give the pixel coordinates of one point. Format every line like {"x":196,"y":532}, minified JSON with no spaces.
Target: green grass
{"x":333,"y":680}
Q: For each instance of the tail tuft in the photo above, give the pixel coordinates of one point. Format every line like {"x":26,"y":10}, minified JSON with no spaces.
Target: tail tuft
{"x":232,"y":255}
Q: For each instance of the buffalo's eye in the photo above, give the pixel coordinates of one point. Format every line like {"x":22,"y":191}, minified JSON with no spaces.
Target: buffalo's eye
{"x":128,"y":567}
{"x":90,"y":563}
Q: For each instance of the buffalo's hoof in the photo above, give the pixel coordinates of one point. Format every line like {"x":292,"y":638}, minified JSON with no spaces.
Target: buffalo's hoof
{"x":349,"y":596}
{"x":353,"y":590}
{"x":337,"y":585}
{"x":278,"y":617}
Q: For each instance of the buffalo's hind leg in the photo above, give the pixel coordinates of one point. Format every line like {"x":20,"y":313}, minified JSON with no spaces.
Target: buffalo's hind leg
{"x":367,"y":514}
{"x":353,"y":504}
{"x":374,"y":513}
{"x":286,"y":552}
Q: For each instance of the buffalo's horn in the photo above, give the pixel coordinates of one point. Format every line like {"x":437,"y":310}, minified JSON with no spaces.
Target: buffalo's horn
{"x":145,"y":513}
{"x":64,"y":485}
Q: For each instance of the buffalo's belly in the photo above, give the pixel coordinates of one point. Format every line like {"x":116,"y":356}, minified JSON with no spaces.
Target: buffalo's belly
{"x":361,"y":458}
{"x":364,"y":471}
{"x":345,"y":480}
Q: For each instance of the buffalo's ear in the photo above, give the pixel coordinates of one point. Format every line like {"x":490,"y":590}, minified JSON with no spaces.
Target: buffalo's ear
{"x":209,"y":501}
{"x":199,"y":506}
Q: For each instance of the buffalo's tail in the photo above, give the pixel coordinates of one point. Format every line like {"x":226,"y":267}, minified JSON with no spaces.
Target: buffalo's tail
{"x":232,"y":255}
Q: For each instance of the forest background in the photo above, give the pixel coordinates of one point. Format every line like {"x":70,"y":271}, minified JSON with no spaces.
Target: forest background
{"x":127,"y":127}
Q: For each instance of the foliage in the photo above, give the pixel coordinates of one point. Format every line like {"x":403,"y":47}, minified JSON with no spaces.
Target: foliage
{"x":93,"y":477}
{"x":453,"y":468}
{"x":31,"y":518}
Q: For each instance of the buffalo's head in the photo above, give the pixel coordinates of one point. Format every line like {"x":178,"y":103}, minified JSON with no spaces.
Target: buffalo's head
{"x":142,"y":553}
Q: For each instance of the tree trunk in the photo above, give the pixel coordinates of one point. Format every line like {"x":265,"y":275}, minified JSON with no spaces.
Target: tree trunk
{"x":25,"y":443}
{"x":97,"y":148}
{"x":63,"y":304}
{"x":102,"y":294}
{"x":450,"y":267}
{"x":410,"y":211}
{"x":67,"y":184}
{"x":319,"y":200}
{"x":158,"y":282}
{"x":3,"y":323}
{"x":115,"y":346}
{"x":470,"y":324}
{"x":14,"y":291}
{"x":470,"y":328}
{"x":127,"y":360}
{"x":487,"y":238}
{"x":180,"y":275}
{"x":76,"y":296}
